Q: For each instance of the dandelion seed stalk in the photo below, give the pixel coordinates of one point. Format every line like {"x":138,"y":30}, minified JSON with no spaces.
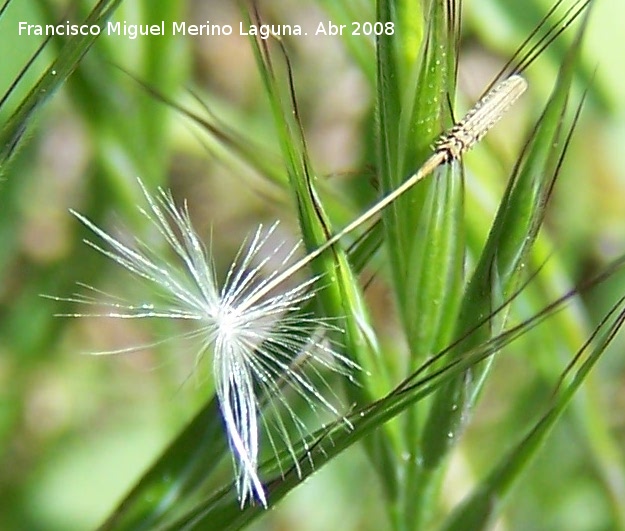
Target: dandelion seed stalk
{"x":450,"y":146}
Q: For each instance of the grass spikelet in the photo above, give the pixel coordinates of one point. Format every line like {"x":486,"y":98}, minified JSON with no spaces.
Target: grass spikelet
{"x":264,"y":348}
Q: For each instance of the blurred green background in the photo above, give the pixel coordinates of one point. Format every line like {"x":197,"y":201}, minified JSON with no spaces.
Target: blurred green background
{"x":77,"y":430}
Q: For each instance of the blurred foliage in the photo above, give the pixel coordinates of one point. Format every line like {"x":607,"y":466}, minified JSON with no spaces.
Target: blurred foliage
{"x":77,"y":431}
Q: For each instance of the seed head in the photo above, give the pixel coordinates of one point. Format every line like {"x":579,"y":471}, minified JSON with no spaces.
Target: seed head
{"x":263,"y":348}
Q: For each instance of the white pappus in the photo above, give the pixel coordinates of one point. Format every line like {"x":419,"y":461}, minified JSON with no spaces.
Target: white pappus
{"x":262,"y":345}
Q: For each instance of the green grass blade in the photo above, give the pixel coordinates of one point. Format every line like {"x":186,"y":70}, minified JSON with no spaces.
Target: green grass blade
{"x":411,"y":103}
{"x":65,"y":63}
{"x":423,"y":227}
{"x":416,"y":81}
{"x":485,"y":503}
{"x":176,"y":476}
{"x":501,"y":265}
{"x":341,"y":296}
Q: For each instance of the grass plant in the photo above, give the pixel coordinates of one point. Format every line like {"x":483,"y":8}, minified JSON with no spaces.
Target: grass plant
{"x":455,"y":336}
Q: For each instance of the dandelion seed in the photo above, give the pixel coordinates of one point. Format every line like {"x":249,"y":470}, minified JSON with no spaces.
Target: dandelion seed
{"x":263,"y":347}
